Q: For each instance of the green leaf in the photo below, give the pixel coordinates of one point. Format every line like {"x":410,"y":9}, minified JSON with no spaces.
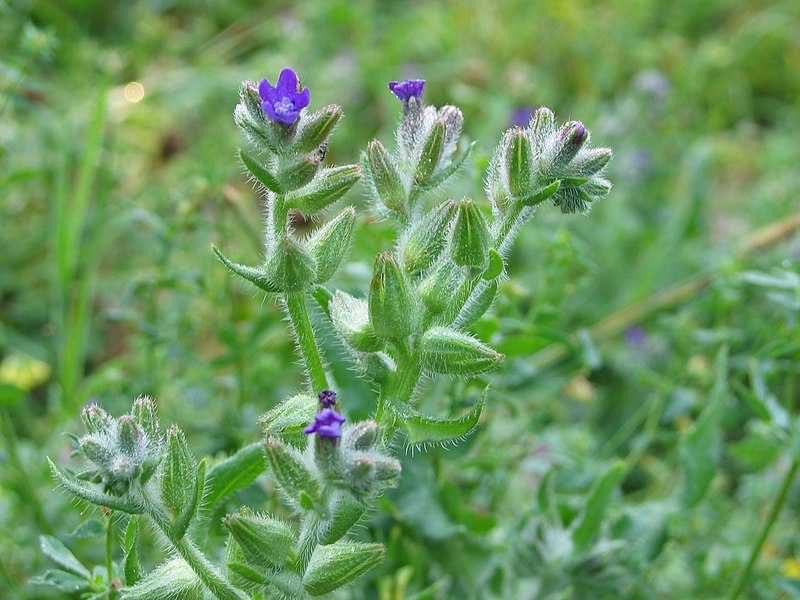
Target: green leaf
{"x":701,"y":446}
{"x":188,"y":513}
{"x":255,"y":276}
{"x":178,"y":476}
{"x":89,"y":493}
{"x":63,"y":581}
{"x":260,"y":172}
{"x":290,"y":416}
{"x":233,"y":473}
{"x":62,"y":555}
{"x":336,"y":565}
{"x":133,"y":570}
{"x":542,"y":194}
{"x":93,"y":528}
{"x":422,"y":429}
{"x":444,"y":174}
{"x":591,"y":520}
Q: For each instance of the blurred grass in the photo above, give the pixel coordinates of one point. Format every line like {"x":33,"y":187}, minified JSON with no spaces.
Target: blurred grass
{"x":109,"y":208}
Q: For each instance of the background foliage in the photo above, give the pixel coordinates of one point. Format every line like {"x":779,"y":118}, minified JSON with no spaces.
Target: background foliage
{"x":652,"y":348}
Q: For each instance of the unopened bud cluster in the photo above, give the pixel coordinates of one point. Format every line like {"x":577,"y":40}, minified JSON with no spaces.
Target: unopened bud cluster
{"x":122,"y":451}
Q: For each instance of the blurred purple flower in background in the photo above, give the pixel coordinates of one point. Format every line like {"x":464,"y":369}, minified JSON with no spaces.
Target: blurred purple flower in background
{"x":635,"y":336}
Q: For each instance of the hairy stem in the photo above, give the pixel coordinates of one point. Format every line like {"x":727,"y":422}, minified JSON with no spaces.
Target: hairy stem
{"x":774,"y":511}
{"x":306,"y":341}
{"x":109,"y":557}
{"x":216,"y":583}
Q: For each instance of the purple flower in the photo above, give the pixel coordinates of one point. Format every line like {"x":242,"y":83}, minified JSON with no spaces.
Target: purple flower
{"x":410,"y":88}
{"x":283,"y":102}
{"x":327,"y":398}
{"x":327,"y":423}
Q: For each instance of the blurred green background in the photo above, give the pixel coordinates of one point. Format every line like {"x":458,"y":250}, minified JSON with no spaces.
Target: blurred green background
{"x":118,"y":171}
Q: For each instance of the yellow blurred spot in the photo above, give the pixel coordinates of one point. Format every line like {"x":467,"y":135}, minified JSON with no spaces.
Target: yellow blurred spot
{"x":134,"y":91}
{"x":23,"y":371}
{"x":580,"y":389}
{"x":791,"y":568}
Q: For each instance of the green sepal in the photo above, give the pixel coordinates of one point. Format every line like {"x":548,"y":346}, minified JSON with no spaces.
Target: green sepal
{"x":350,"y":319}
{"x":383,"y":177}
{"x":259,"y":170}
{"x":393,"y":306}
{"x":265,"y":542}
{"x":436,"y":289}
{"x":495,"y":268}
{"x":130,"y":437}
{"x":450,"y":352}
{"x":423,"y":430}
{"x":132,"y":567}
{"x":591,"y":162}
{"x":316,"y":127}
{"x":145,"y":414}
{"x":288,"y":419}
{"x":233,"y":473}
{"x":329,"y":244}
{"x":591,"y":519}
{"x":184,"y":519}
{"x":469,"y":237}
{"x":178,"y":474}
{"x":291,"y":266}
{"x":519,"y":163}
{"x":344,"y":515}
{"x":286,"y":583}
{"x":431,"y":152}
{"x":323,"y":296}
{"x":331,"y":184}
{"x":91,"y":495}
{"x":441,"y":176}
{"x":428,"y":237}
{"x":542,"y":195}
{"x":478,"y":305}
{"x":336,"y":565}
{"x":174,"y":579}
{"x":292,"y":474}
{"x":258,"y":277}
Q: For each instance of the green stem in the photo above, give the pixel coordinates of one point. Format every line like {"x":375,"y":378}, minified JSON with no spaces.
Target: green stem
{"x":744,"y":576}
{"x":400,"y":387}
{"x":306,"y":341}
{"x":216,"y":583}
{"x":109,"y":557}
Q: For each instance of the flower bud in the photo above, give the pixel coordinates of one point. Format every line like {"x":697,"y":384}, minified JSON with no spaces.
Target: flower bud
{"x":330,"y":185}
{"x":298,"y":173}
{"x":264,"y":541}
{"x":469,"y":238}
{"x":338,"y":564}
{"x":431,"y":152}
{"x":428,"y":237}
{"x":543,"y":126}
{"x":291,"y":267}
{"x":290,"y":472}
{"x":96,"y":420}
{"x":315,"y":128}
{"x":179,"y":472}
{"x":571,"y":139}
{"x":350,"y":319}
{"x":345,"y":514}
{"x":376,"y":366}
{"x":387,"y":468}
{"x":519,"y":162}
{"x":384,"y":177}
{"x":290,"y":416}
{"x":93,"y":448}
{"x":130,"y":438}
{"x":393,"y":306}
{"x":145,"y":414}
{"x":363,"y":436}
{"x":330,"y":243}
{"x":450,"y":352}
{"x":436,"y":290}
{"x":591,"y":162}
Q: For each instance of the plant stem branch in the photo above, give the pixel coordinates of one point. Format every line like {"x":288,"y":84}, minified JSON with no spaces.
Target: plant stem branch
{"x":306,"y":341}
{"x":744,"y":576}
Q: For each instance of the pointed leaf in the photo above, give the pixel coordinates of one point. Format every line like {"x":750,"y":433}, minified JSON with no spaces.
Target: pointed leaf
{"x":89,"y":493}
{"x":260,"y":172}
{"x":63,"y":581}
{"x":422,"y":429}
{"x":133,"y":570}
{"x":184,"y":519}
{"x":600,"y":497}
{"x":255,"y":276}
{"x":62,"y":555}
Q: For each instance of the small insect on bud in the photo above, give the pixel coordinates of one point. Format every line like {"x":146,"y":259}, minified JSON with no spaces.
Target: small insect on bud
{"x":469,"y":238}
{"x":393,"y":306}
{"x":384,"y":177}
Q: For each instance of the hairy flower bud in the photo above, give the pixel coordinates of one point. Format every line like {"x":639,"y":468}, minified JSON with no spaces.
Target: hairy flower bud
{"x":350,"y":319}
{"x":329,"y":244}
{"x":519,"y":162}
{"x":384,"y":177}
{"x":431,"y":152}
{"x":315,"y":128}
{"x":393,"y":305}
{"x":363,"y":436}
{"x":450,"y":352}
{"x":291,"y":473}
{"x":179,"y":471}
{"x":291,"y":267}
{"x":428,"y":237}
{"x":331,"y":184}
{"x":265,"y":542}
{"x":298,"y":174}
{"x":469,"y":238}
{"x":571,"y":139}
{"x":436,"y":289}
{"x":96,"y":420}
